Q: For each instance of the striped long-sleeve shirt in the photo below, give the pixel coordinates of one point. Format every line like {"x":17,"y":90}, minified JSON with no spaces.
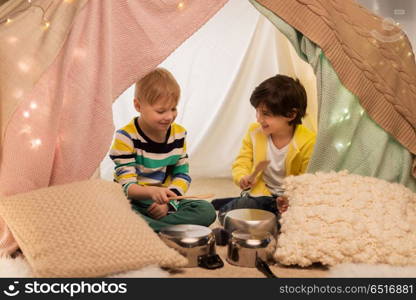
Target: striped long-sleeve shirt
{"x":140,"y":160}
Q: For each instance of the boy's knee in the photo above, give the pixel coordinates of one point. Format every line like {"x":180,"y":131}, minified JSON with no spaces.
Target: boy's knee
{"x":206,"y":212}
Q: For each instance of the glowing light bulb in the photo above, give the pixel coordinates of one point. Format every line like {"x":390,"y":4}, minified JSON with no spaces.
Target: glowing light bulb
{"x":46,"y":25}
{"x":33,"y":105}
{"x":339,"y":146}
{"x":26,"y":114}
{"x":23,"y":66}
{"x":36,"y":143}
{"x":181,"y":5}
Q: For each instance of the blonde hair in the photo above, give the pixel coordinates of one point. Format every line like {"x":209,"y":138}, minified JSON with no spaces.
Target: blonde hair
{"x":158,"y":84}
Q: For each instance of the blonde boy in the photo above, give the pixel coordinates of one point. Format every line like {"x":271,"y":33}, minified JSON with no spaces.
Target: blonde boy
{"x":151,"y":159}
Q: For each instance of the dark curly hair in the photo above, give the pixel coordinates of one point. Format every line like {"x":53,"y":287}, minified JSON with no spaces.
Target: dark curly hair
{"x":283,"y":96}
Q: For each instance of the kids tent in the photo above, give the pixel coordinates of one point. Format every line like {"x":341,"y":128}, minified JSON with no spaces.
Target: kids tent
{"x":65,"y":62}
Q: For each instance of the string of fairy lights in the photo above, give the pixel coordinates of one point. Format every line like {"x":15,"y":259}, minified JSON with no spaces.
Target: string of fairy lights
{"x":45,"y":22}
{"x":29,"y":4}
{"x":25,"y":63}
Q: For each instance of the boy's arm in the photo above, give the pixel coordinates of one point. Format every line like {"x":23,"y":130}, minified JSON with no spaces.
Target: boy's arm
{"x":123,"y":154}
{"x":180,"y":174}
{"x":307,"y":156}
{"x":158,"y":194}
{"x":243,"y":164}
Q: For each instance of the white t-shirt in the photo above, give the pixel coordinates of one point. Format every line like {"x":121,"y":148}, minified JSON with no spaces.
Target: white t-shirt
{"x":275,"y":172}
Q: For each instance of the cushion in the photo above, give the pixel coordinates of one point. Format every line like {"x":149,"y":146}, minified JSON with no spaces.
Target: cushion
{"x":339,"y":217}
{"x":83,"y":229}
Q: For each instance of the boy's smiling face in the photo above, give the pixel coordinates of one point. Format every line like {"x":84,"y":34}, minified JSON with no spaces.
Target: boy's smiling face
{"x":157,"y":116}
{"x":272,"y":124}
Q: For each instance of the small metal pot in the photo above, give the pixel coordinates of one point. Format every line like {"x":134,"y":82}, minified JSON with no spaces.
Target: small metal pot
{"x":249,"y":220}
{"x":252,"y":251}
{"x":196,"y":243}
{"x":245,"y":248}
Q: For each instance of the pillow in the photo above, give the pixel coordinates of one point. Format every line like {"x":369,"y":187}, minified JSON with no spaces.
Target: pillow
{"x":338,"y":218}
{"x":83,"y":229}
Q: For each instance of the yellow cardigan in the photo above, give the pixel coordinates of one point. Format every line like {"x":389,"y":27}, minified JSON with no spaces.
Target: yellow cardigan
{"x":254,"y":150}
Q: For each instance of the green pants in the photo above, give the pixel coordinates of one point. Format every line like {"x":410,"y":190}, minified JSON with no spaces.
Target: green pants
{"x":197,"y":212}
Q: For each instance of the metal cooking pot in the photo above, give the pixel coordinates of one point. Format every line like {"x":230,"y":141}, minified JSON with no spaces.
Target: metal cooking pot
{"x":245,"y":248}
{"x":252,"y":251}
{"x":195,"y":242}
{"x":249,"y":220}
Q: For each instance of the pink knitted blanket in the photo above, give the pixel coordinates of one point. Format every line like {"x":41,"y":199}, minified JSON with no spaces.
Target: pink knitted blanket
{"x":62,"y":129}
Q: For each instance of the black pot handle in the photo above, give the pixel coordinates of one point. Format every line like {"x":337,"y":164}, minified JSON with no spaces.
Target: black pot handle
{"x":210,"y":261}
{"x":263,"y":267}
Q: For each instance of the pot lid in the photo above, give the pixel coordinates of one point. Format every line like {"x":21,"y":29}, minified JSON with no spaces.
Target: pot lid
{"x":186,"y":231}
{"x":250,"y":214}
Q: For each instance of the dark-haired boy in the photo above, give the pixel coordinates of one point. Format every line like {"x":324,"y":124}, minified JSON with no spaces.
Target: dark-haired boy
{"x":278,"y":136}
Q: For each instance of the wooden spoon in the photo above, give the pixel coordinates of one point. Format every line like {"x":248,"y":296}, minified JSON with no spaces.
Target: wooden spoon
{"x":205,"y":196}
{"x":261,"y":165}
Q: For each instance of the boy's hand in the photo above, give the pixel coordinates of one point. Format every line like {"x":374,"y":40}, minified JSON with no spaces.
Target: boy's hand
{"x":246,"y":182}
{"x":282,"y":203}
{"x":161,"y":195}
{"x":158,"y":211}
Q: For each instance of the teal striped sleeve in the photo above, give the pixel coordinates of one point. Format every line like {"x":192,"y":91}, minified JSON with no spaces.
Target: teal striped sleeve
{"x":180,"y":174}
{"x":124,"y":157}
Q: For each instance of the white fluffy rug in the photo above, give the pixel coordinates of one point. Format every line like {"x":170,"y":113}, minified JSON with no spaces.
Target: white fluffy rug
{"x":19,"y":268}
{"x":336,"y":218}
{"x":372,"y":271}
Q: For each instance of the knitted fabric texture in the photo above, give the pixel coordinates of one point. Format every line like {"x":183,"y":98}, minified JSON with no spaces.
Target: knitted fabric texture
{"x":57,"y":89}
{"x":381,"y":72}
{"x":40,"y":49}
{"x":343,"y":141}
{"x":27,"y":50}
{"x":336,"y":218}
{"x":83,"y":229}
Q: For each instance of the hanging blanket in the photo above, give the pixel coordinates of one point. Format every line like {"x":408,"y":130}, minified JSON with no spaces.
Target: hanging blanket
{"x":62,"y":128}
{"x":348,"y":138}
{"x":374,"y":61}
